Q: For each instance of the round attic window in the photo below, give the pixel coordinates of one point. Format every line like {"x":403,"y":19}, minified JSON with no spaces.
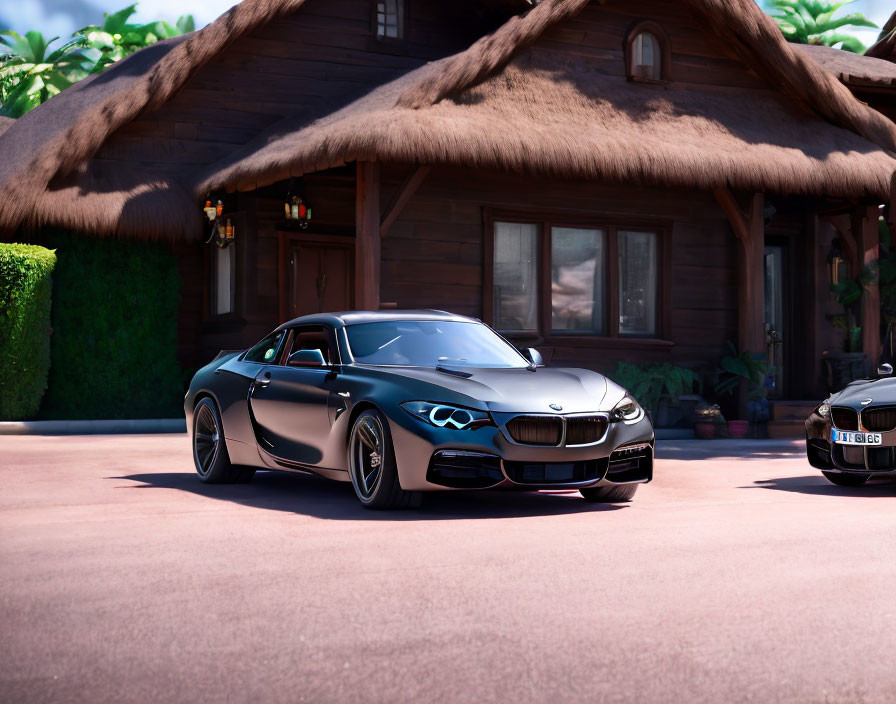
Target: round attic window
{"x":647,"y":60}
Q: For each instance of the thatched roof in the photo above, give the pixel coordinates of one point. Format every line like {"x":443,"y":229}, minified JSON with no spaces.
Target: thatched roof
{"x":885,"y":46}
{"x":852,"y":68}
{"x":503,"y":103}
{"x":5,"y":123}
{"x":544,"y":113}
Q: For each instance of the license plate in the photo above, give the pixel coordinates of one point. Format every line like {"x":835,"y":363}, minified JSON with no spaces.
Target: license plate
{"x":847,"y":437}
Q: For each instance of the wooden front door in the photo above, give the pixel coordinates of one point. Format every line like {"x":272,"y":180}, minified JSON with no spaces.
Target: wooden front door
{"x":317,"y":275}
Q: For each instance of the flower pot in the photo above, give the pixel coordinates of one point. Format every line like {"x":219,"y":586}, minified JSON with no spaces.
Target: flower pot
{"x":704,"y":431}
{"x":738,"y":428}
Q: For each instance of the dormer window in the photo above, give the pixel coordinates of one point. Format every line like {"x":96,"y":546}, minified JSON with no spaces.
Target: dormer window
{"x":390,"y":19}
{"x":647,"y":62}
{"x":647,"y":55}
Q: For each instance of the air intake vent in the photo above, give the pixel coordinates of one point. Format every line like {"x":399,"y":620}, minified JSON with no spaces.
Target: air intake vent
{"x":845,"y":418}
{"x":879,"y":419}
{"x":536,"y":430}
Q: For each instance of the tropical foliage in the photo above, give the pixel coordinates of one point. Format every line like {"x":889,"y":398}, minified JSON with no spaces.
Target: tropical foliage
{"x":33,"y":71}
{"x":813,"y":22}
{"x":651,"y":383}
{"x":742,"y":366}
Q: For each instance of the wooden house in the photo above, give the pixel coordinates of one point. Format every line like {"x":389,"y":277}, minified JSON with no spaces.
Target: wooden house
{"x":603,"y":179}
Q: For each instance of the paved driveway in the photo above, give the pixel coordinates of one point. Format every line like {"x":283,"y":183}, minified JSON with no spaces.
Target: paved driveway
{"x":122,"y":578}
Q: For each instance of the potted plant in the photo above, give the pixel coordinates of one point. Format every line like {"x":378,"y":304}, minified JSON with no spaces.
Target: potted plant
{"x":738,"y":368}
{"x":658,"y":388}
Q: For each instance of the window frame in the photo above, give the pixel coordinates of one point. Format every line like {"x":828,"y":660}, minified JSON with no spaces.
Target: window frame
{"x":665,"y":52}
{"x":329,"y":330}
{"x":389,"y":44}
{"x":611,"y":224}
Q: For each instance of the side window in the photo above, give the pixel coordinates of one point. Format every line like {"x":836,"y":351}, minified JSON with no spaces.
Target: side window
{"x":266,"y":350}
{"x":390,"y":19}
{"x":314,"y":337}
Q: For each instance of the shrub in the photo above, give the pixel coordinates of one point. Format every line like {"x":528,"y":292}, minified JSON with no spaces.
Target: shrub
{"x":25,"y":291}
{"x":115,"y":331}
{"x":651,"y":383}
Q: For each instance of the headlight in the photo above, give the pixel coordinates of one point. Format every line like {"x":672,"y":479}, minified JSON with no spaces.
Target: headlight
{"x":627,"y":410}
{"x":442,"y":415}
{"x":824,"y":410}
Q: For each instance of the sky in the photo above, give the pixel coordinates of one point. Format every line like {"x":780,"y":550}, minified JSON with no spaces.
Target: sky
{"x":62,"y":17}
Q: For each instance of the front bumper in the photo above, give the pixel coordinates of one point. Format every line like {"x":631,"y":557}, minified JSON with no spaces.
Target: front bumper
{"x":834,"y":457}
{"x":430,"y":458}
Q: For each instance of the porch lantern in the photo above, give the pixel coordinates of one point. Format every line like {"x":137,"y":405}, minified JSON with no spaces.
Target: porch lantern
{"x":223,"y":233}
{"x":838,"y":268}
{"x":295,"y":209}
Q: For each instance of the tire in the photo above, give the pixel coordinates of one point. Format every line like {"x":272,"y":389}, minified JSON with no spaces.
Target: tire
{"x":609,"y":494}
{"x":371,"y":463}
{"x":210,"y":451}
{"x":845,"y":479}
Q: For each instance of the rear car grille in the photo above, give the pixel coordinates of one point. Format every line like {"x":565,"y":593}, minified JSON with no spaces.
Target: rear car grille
{"x":845,"y":418}
{"x":582,"y":430}
{"x":555,"y":472}
{"x":536,"y":430}
{"x":879,"y":419}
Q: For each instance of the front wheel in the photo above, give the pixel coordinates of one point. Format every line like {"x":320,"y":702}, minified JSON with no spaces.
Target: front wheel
{"x":609,"y":494}
{"x":845,"y":479}
{"x":371,"y":464}
{"x":210,"y":451}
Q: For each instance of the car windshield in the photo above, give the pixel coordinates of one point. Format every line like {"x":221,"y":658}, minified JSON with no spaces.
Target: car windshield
{"x":431,"y":343}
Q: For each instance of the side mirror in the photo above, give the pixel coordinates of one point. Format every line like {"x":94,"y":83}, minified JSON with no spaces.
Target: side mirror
{"x":307,"y":358}
{"x":884,"y":369}
{"x":534,"y":356}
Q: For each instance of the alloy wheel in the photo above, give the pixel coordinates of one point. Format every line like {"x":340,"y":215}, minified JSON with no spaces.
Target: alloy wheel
{"x":367,"y":455}
{"x":206,"y":439}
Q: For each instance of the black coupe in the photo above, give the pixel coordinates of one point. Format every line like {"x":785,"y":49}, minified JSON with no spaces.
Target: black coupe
{"x":399,"y":403}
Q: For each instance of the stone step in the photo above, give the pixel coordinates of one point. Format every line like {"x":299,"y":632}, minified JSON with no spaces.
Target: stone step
{"x":792,"y":410}
{"x":787,"y":428}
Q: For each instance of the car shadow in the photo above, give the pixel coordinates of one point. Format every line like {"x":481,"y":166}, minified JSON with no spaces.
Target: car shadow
{"x":819,"y":486}
{"x":314,"y":496}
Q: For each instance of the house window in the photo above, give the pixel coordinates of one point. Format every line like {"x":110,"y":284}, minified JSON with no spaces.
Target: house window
{"x":223,"y":275}
{"x":573,"y":279}
{"x":637,"y":282}
{"x":516,"y":276}
{"x":647,"y":53}
{"x":390,"y":19}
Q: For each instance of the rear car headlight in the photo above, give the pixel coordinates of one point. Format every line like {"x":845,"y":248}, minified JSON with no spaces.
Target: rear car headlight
{"x":627,"y":410}
{"x":824,"y":410}
{"x":443,"y":415}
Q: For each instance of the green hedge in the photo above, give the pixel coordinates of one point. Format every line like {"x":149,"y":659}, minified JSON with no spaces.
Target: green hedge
{"x":114,"y":331}
{"x":25,"y":290}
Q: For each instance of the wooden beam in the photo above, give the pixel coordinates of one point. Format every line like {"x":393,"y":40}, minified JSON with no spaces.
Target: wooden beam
{"x":749,"y":228}
{"x":405,"y":192}
{"x":867,"y":237}
{"x":738,"y":222}
{"x":367,"y":236}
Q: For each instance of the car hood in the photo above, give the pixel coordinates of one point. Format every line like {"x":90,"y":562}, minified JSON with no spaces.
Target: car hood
{"x":880,"y":391}
{"x":521,"y":390}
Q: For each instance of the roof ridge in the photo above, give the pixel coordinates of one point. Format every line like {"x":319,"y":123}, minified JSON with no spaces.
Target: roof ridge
{"x":489,"y":53}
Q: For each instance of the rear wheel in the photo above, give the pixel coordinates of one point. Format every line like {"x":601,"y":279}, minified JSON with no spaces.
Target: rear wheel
{"x":210,"y":451}
{"x":609,"y":494}
{"x":371,"y":464}
{"x":845,"y":479}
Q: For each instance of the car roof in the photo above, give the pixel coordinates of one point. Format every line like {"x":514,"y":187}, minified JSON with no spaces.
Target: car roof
{"x":356,"y":317}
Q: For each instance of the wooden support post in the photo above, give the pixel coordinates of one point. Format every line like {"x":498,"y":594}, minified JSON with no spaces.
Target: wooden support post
{"x":405,"y":192}
{"x":749,"y":229}
{"x":867,"y":236}
{"x":367,"y":236}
